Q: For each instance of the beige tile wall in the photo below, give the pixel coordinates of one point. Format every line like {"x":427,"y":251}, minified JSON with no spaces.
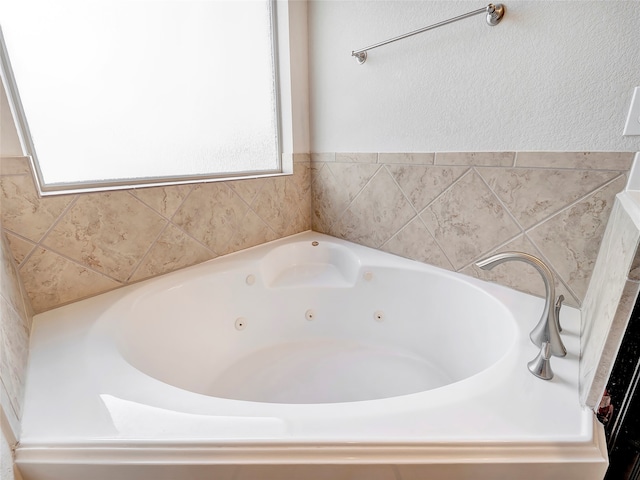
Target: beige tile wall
{"x":447,"y":209}
{"x":15,"y":328}
{"x":452,"y":209}
{"x":71,"y":247}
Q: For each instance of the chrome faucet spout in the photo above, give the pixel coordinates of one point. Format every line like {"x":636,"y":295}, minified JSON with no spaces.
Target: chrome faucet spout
{"x":546,"y":329}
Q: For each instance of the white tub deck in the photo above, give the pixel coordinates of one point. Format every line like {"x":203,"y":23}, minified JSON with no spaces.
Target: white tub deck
{"x":89,"y":413}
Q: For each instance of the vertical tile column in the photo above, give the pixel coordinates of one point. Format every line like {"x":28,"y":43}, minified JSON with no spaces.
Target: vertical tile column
{"x":610,"y":299}
{"x":451,"y":209}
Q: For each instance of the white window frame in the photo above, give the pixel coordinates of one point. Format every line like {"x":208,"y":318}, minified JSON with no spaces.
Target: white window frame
{"x":286,"y":107}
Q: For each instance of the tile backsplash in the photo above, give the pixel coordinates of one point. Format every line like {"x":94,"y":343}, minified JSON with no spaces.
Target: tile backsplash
{"x":452,"y":209}
{"x":15,"y":328}
{"x":448,"y":209}
{"x":70,"y":247}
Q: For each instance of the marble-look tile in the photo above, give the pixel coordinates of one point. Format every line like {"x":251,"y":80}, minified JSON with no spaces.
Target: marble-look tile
{"x":376,"y":214}
{"x":164,"y":200}
{"x":14,"y":345}
{"x":15,"y":166}
{"x":299,"y":222}
{"x":601,"y":302}
{"x":357,"y":157}
{"x":531,"y":195}
{"x":487,"y":159}
{"x":423,"y":184}
{"x":323,"y":157}
{"x":634,"y":273}
{"x":109,"y":232}
{"x":468,"y":220}
{"x":301,"y":180}
{"x":19,"y":247}
{"x":52,"y":280}
{"x":276,"y":204}
{"x":584,"y":160}
{"x":172,"y":251}
{"x":571,"y":239}
{"x":328,"y":200}
{"x":24,"y":212}
{"x":331,"y":194}
{"x":212,"y":214}
{"x":352,"y":177}
{"x":9,"y":279}
{"x":415,"y":242}
{"x":253,"y":231}
{"x":407,"y":158}
{"x":612,"y":343}
{"x":519,"y":275}
{"x":247,"y":189}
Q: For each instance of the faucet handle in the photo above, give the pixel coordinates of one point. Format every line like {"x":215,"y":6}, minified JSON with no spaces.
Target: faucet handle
{"x":558,"y":306}
{"x":541,"y":365}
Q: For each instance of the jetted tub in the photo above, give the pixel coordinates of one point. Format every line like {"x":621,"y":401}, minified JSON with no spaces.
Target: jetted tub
{"x":309,"y":357}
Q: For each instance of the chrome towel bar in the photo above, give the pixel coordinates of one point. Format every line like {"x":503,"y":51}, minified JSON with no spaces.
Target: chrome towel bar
{"x":494,"y":15}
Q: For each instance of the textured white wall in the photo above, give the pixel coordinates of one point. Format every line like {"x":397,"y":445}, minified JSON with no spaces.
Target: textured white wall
{"x":553,"y":76}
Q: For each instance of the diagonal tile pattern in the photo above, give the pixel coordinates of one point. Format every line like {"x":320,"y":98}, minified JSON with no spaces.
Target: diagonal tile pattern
{"x":376,"y":214}
{"x":414,"y":241}
{"x":72,"y":247}
{"x":532,"y":195}
{"x":212,"y":226}
{"x":552,"y":204}
{"x":468,"y":220}
{"x":109,"y":232}
{"x":423,"y":184}
{"x":51,"y":279}
{"x":571,"y":239}
{"x":447,"y":209}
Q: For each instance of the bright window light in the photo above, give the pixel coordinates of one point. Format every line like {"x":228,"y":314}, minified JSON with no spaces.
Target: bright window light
{"x":129,"y":91}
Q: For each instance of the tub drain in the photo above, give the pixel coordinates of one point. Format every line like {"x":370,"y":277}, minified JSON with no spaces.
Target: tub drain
{"x":378,"y":316}
{"x":241,"y":323}
{"x":310,"y":315}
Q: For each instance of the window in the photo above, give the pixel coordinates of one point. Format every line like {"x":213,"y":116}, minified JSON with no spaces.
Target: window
{"x":114,"y":93}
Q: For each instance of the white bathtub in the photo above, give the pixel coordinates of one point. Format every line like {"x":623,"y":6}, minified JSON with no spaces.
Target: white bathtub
{"x":295,"y":360}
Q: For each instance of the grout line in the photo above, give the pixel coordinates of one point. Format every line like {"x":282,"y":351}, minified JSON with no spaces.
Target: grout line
{"x":24,"y":239}
{"x":191,"y":189}
{"x":82,"y":265}
{"x":133,"y":190}
{"x":574,"y":203}
{"x":153,"y":243}
{"x":40,"y":243}
{"x":492,"y":249}
{"x":435,"y":240}
{"x":554,"y":270}
{"x":329,"y":223}
{"x":182,"y":229}
{"x":10,"y":397}
{"x":467,"y":172}
{"x":357,"y":195}
{"x":406,"y":197}
{"x":506,"y":209}
{"x":445,"y":190}
{"x":313,"y":180}
{"x":263,"y":185}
